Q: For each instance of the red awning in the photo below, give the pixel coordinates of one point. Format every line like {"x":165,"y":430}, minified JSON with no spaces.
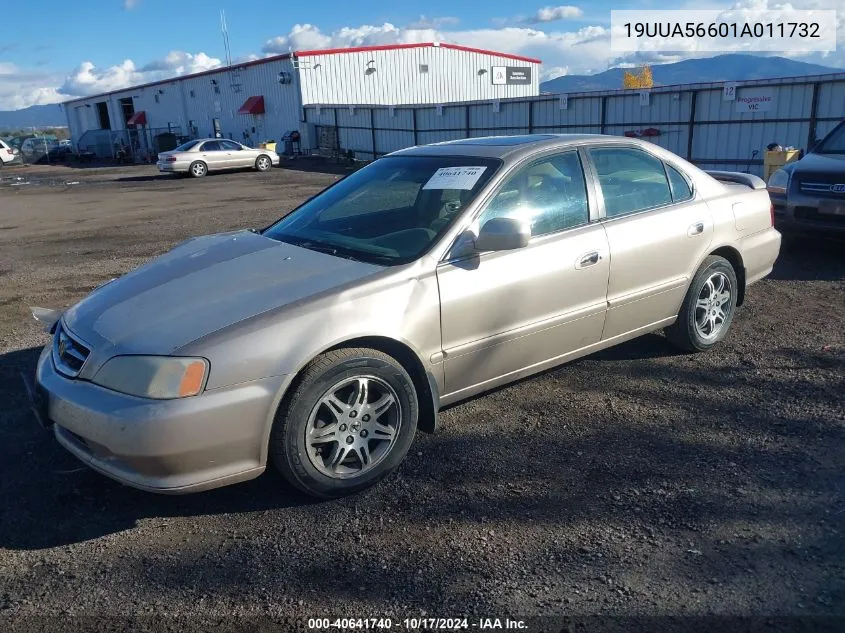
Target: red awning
{"x":139,"y":118}
{"x":253,"y":105}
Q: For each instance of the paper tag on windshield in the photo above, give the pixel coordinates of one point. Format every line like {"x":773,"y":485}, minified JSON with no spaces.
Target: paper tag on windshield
{"x":454,"y":178}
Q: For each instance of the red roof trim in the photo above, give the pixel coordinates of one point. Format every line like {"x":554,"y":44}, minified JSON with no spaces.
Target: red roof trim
{"x":253,"y":105}
{"x":327,"y":51}
{"x":390,"y":47}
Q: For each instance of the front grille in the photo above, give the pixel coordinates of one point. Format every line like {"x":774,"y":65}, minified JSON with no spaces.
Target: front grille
{"x":824,"y":188}
{"x":69,"y":354}
{"x":812,"y":214}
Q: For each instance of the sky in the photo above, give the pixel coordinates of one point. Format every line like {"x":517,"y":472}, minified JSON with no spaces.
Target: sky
{"x":55,"y":50}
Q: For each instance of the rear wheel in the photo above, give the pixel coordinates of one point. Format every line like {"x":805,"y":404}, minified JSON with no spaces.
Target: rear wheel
{"x":708,"y":307}
{"x":263,"y":163}
{"x":348,"y":422}
{"x":198,"y":169}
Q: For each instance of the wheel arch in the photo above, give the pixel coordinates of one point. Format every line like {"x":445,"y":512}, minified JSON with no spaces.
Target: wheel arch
{"x":424,"y":382}
{"x":734,"y":257}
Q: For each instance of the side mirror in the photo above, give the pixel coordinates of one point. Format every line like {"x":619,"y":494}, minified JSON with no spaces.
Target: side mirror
{"x":503,"y":234}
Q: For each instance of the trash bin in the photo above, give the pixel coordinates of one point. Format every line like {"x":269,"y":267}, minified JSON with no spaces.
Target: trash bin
{"x":774,"y":160}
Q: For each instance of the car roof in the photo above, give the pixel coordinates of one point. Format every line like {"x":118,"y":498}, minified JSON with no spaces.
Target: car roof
{"x":508,"y":147}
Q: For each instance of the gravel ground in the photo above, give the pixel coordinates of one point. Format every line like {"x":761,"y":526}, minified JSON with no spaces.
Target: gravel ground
{"x":635,"y":482}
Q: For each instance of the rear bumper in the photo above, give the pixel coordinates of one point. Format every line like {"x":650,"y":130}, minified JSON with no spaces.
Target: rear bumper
{"x":165,"y":446}
{"x":171,"y":167}
{"x":759,"y":253}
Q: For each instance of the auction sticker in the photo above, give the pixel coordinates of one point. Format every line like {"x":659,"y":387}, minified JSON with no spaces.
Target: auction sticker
{"x":454,"y":178}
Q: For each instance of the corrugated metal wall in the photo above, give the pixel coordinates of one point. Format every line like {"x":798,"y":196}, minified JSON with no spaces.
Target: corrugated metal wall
{"x":395,"y":77}
{"x":194,"y":102}
{"x":694,"y":121}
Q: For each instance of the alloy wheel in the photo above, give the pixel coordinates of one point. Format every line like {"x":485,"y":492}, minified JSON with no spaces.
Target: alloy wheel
{"x":353,"y":427}
{"x":713,"y":306}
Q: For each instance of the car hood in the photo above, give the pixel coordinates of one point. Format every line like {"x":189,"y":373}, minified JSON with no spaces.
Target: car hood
{"x":820,"y":164}
{"x":201,"y":286}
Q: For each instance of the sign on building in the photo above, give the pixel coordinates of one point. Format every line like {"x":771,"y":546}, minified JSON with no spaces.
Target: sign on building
{"x":755,"y":102}
{"x":511,"y":75}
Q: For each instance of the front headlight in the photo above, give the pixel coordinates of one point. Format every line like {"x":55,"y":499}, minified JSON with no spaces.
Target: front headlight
{"x":160,"y":377}
{"x":778,"y":182}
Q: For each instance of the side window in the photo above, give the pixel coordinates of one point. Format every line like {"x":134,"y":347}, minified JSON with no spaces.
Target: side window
{"x":230,"y":146}
{"x":550,"y":194}
{"x":210,"y":146}
{"x":680,"y":187}
{"x":631,"y":180}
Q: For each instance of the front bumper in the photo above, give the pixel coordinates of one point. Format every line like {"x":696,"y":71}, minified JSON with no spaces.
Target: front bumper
{"x":802,"y":214}
{"x":166,"y":446}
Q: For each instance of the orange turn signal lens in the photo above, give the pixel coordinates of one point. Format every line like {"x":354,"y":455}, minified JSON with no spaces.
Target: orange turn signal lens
{"x":192,"y":379}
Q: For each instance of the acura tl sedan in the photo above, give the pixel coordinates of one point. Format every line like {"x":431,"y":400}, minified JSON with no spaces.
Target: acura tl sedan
{"x":197,"y":158}
{"x":321,"y":343}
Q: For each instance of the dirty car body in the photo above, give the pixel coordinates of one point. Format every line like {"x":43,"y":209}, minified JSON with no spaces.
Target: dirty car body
{"x":322,"y":342}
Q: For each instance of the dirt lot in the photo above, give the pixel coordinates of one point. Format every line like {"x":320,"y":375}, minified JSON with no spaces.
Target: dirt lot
{"x":636,"y":482}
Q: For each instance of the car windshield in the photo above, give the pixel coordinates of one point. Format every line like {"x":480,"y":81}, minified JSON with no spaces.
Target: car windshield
{"x":390,"y":212}
{"x":834,"y":143}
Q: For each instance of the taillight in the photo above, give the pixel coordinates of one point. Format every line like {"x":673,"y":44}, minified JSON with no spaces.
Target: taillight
{"x":772,"y":213}
{"x":171,"y":159}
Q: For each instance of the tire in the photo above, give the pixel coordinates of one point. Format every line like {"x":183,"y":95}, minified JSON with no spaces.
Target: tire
{"x":713,"y":292}
{"x":308,"y":435}
{"x":263,"y":163}
{"x":198,"y":169}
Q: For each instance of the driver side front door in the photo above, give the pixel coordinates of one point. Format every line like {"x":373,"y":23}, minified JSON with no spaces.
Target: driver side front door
{"x":508,"y":314}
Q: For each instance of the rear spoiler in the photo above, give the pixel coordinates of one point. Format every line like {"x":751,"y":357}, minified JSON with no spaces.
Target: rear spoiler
{"x":749,"y":180}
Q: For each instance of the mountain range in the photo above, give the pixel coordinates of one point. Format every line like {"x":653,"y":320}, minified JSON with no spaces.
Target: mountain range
{"x":34,"y":116}
{"x":734,"y":67}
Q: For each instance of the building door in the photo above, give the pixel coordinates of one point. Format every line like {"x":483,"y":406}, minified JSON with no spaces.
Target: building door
{"x":103,"y":115}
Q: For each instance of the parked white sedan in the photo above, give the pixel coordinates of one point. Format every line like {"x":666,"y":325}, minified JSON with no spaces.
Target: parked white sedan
{"x":200,"y":156}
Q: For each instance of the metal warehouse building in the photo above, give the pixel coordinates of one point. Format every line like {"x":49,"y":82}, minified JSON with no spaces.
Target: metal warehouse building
{"x":261,"y":100}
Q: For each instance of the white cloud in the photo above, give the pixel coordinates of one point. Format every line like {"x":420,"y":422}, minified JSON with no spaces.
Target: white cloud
{"x":433,"y":23}
{"x":21,"y":88}
{"x":87,"y":79}
{"x":552,"y":14}
{"x":128,"y":5}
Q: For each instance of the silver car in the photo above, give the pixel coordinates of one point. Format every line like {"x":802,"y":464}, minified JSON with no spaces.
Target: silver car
{"x":201,"y":156}
{"x":323,"y":342}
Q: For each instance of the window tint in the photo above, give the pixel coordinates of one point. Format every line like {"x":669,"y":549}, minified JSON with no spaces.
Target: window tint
{"x":631,"y":180}
{"x":680,"y":187}
{"x":210,"y":146}
{"x":550,"y":194}
{"x":230,"y":145}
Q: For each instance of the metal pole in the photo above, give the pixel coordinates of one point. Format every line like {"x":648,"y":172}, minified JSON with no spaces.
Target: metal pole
{"x":691,"y":123}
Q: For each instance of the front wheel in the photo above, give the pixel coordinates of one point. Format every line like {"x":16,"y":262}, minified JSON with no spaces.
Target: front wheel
{"x":263,"y":163}
{"x":348,"y":422}
{"x":708,"y":307}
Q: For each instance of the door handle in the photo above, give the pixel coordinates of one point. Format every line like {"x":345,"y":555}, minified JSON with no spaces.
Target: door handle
{"x":588,"y":259}
{"x":695,"y":229}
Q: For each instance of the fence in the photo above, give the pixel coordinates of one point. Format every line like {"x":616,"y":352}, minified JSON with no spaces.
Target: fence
{"x":138,"y":145}
{"x":715,"y":125}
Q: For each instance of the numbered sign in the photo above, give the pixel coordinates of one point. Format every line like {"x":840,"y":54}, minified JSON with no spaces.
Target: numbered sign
{"x":392,"y":110}
{"x":563,"y":102}
{"x":439,"y":109}
{"x":644,"y":96}
{"x":729,"y":92}
{"x":496,"y":107}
